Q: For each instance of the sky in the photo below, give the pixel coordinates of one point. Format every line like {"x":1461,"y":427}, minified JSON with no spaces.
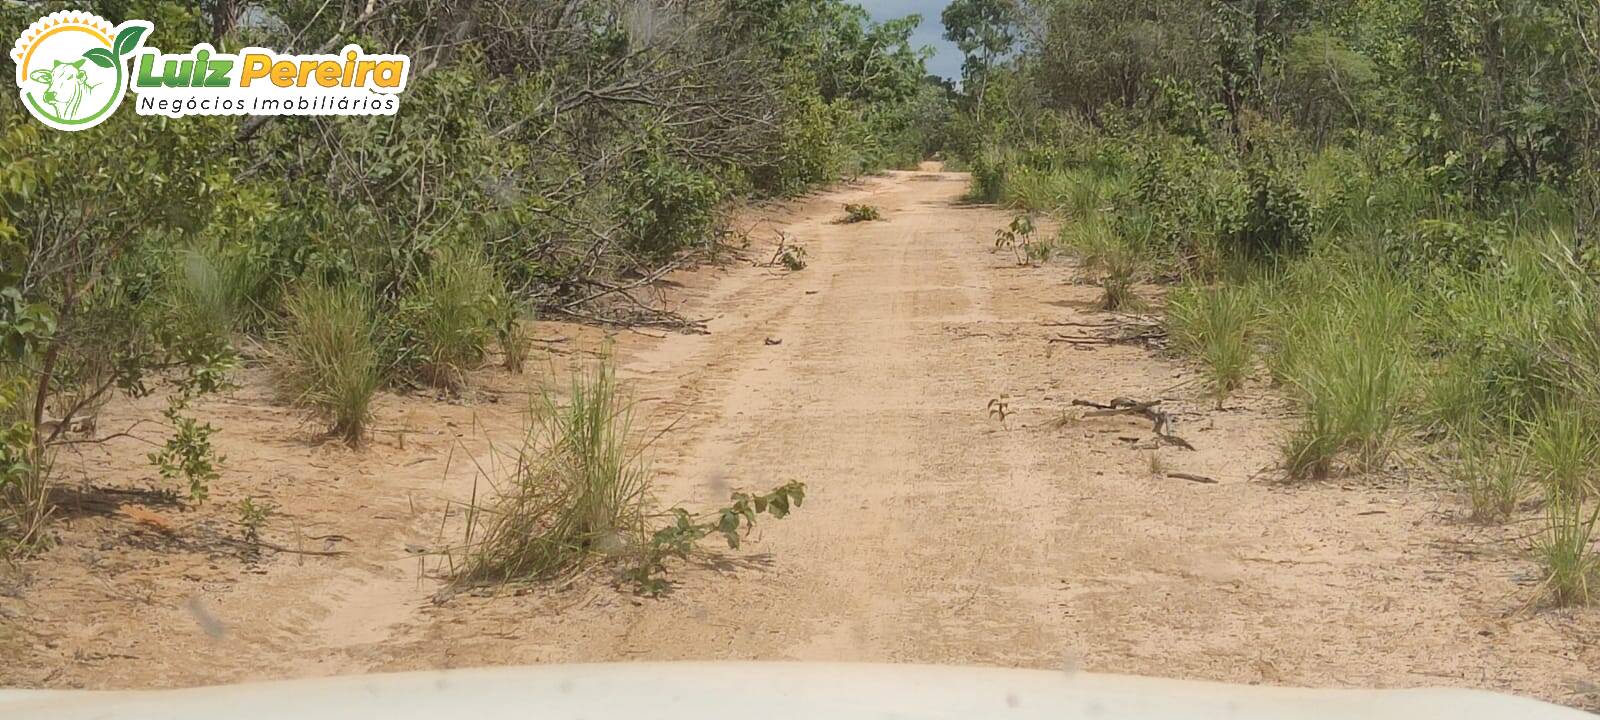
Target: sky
{"x":947,"y":59}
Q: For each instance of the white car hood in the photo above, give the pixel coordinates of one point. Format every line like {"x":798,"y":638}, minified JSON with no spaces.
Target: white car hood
{"x":768,"y":691}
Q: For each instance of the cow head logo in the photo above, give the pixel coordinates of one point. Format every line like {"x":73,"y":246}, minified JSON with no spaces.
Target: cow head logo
{"x":72,"y":67}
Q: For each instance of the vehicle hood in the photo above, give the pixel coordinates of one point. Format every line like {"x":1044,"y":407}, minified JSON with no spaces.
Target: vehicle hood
{"x":769,"y":691}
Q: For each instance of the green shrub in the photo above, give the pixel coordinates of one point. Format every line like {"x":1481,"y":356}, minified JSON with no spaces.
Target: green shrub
{"x":24,"y":488}
{"x":1431,"y":245}
{"x":451,"y":314}
{"x":1275,"y":219}
{"x":810,"y":152}
{"x":667,"y":206}
{"x":989,"y":172}
{"x":326,"y":358}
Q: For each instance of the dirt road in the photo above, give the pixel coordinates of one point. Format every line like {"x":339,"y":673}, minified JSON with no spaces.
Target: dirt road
{"x":933,"y":531}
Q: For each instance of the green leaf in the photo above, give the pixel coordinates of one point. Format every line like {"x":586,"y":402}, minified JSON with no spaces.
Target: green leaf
{"x":101,"y":57}
{"x":127,"y":40}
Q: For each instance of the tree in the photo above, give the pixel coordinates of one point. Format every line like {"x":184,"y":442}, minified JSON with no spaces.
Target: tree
{"x":985,"y":32}
{"x":1100,"y":53}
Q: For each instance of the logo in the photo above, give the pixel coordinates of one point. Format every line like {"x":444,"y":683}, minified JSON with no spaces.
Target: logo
{"x":73,"y":69}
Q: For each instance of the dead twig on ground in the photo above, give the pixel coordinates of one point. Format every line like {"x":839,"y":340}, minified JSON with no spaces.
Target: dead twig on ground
{"x":607,"y":288}
{"x":1162,"y":421}
{"x":1123,"y":334}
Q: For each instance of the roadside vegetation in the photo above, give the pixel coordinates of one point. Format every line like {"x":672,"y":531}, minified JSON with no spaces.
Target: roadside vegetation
{"x":1387,"y":210}
{"x":535,"y":168}
{"x":860,"y":212}
{"x":577,"y":493}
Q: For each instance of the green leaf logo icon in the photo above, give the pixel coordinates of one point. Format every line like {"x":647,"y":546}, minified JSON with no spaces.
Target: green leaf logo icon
{"x":128,"y":40}
{"x":101,"y":57}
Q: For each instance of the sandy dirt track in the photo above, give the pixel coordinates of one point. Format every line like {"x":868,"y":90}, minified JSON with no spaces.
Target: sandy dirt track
{"x":932,"y":532}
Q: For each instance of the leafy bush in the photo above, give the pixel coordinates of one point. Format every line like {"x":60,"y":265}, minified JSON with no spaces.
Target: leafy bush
{"x":1275,"y":219}
{"x":1432,"y":245}
{"x":326,"y":358}
{"x":667,"y":206}
{"x":989,"y":170}
{"x":1185,"y":204}
{"x":810,"y":152}
{"x":24,"y":507}
{"x":188,"y":455}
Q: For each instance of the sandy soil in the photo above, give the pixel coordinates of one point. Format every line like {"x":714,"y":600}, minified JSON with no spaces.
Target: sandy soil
{"x":933,"y":532}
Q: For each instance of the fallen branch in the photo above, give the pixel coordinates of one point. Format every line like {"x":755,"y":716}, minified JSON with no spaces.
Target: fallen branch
{"x":608,"y":288}
{"x":664,"y":319}
{"x":1162,"y":421}
{"x":1081,"y":340}
{"x":1146,"y":334}
{"x":1096,"y":326}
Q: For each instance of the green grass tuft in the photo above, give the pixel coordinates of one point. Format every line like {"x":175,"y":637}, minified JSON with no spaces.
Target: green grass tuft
{"x":1214,"y":325}
{"x":1347,"y":359}
{"x":1565,"y":551}
{"x":326,"y":358}
{"x":451,"y":315}
{"x":577,"y":489}
{"x":1492,"y":473}
{"x":1564,"y":445}
{"x":209,"y":292}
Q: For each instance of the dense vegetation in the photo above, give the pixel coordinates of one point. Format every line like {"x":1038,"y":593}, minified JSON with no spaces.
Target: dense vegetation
{"x":1386,"y":207}
{"x":544,"y":151}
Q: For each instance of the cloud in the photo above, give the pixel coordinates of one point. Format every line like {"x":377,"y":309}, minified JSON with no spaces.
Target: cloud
{"x":946,"y":61}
